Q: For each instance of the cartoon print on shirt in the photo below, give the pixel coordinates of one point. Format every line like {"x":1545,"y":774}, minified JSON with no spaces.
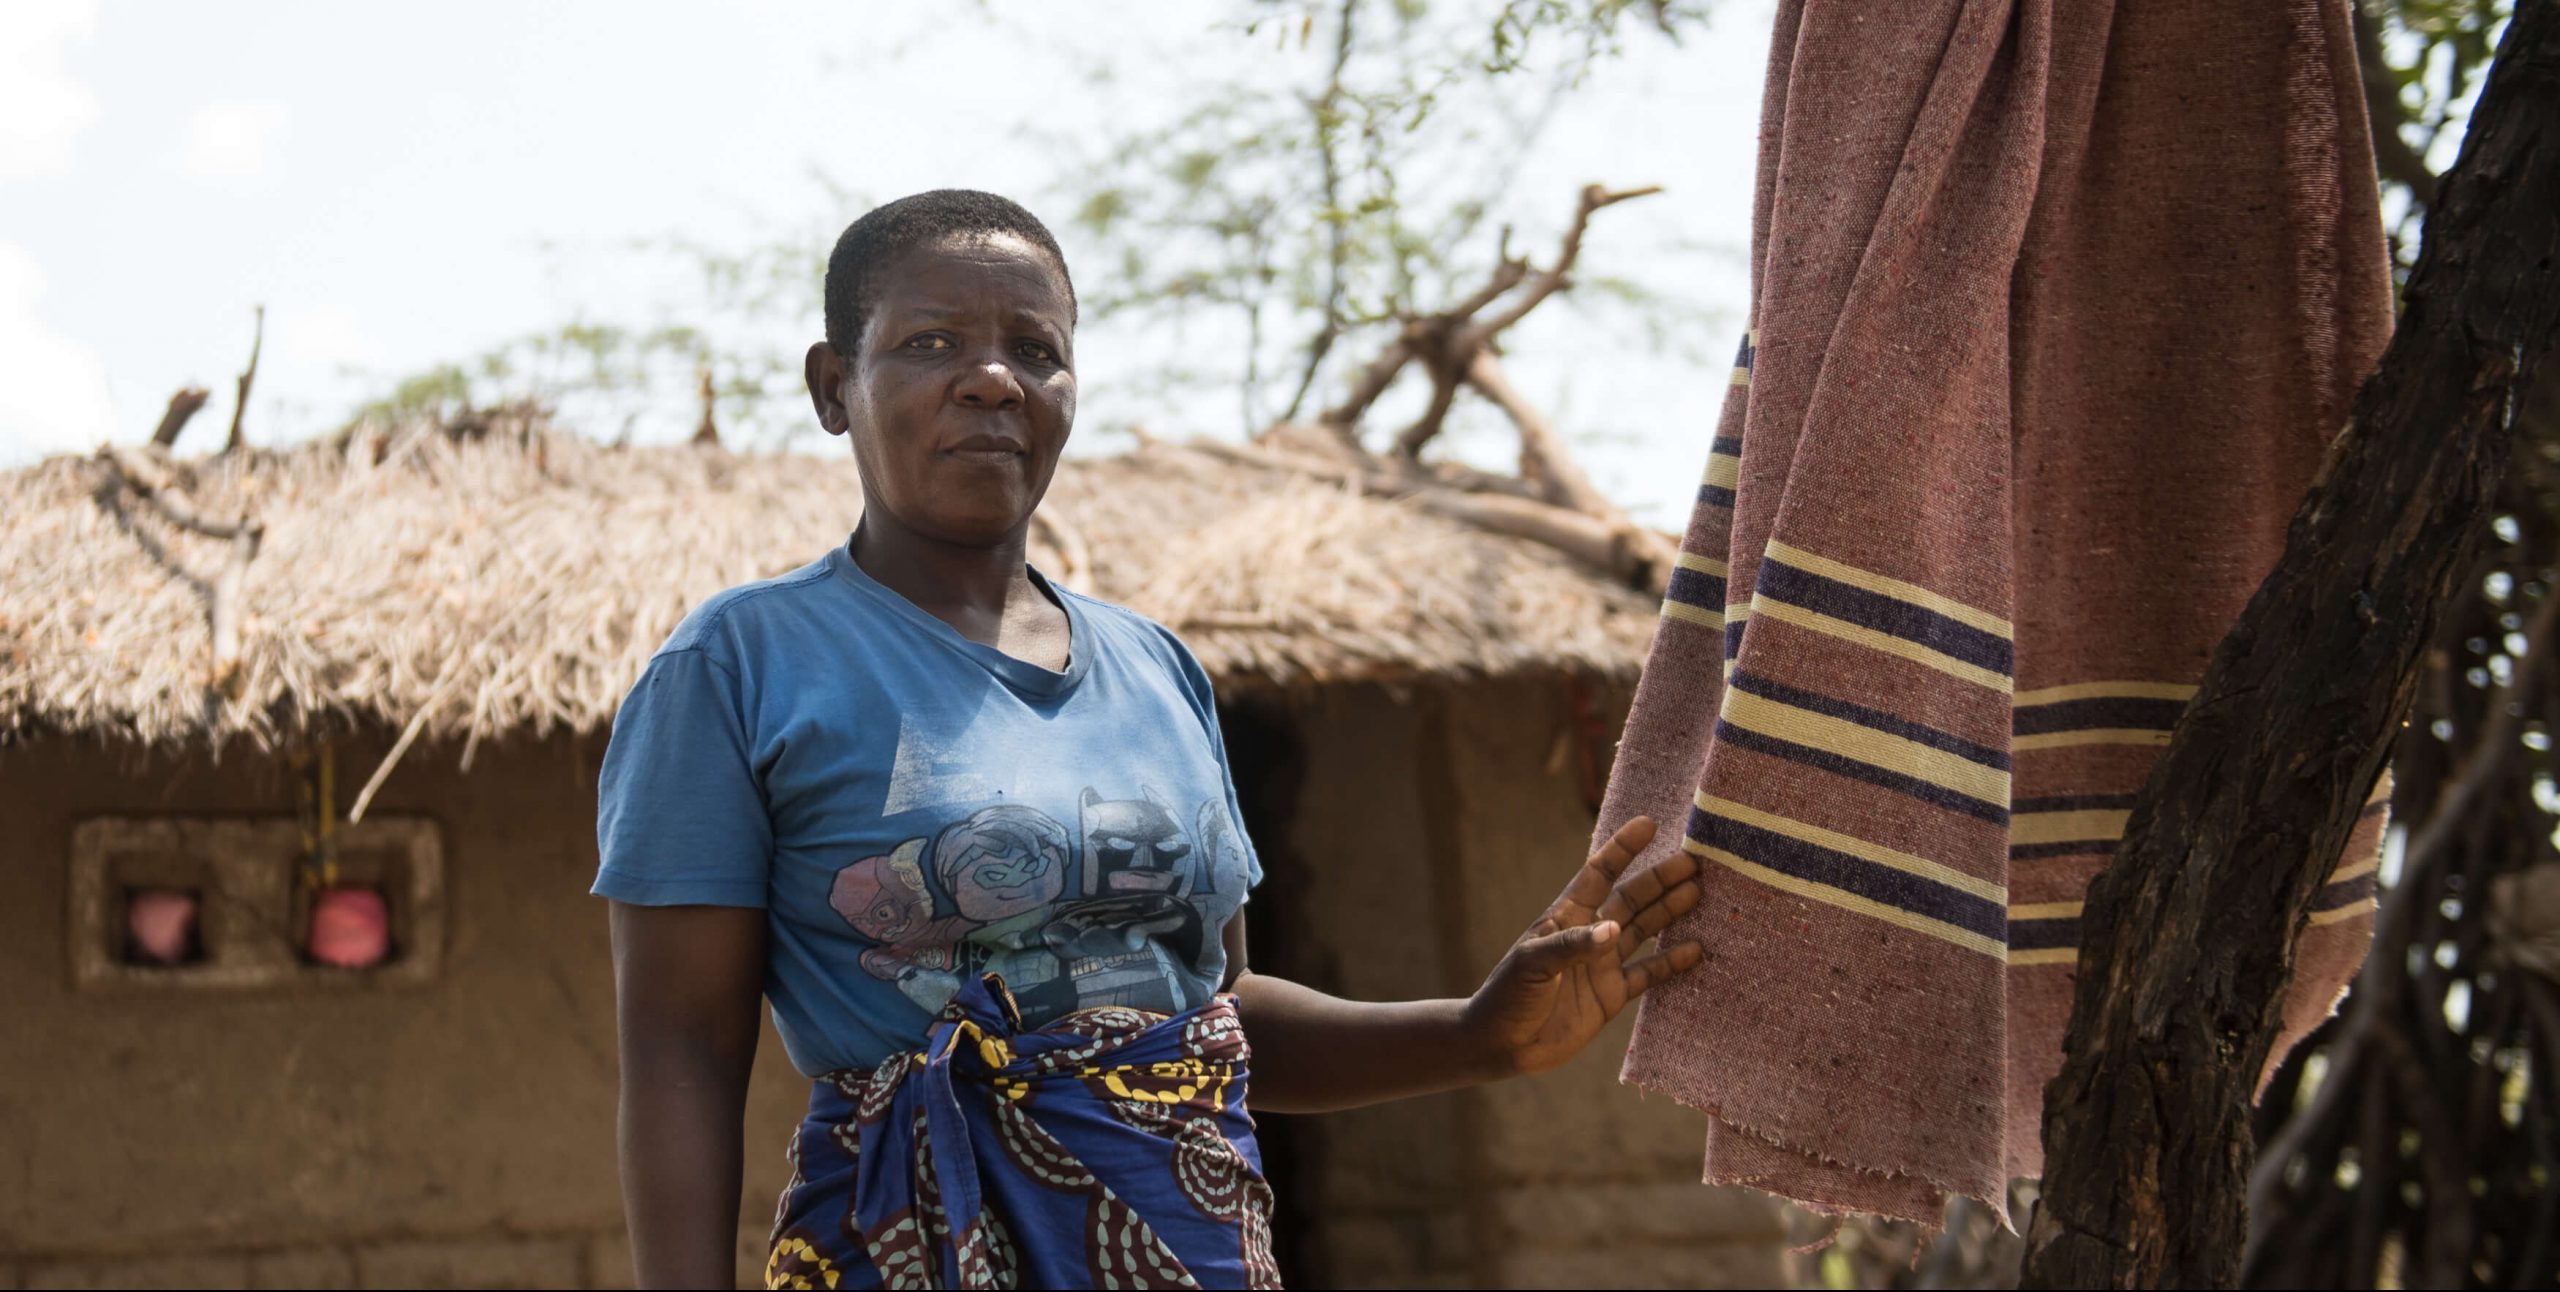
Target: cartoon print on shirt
{"x":1132,"y":845}
{"x":1112,"y":916}
{"x":885,"y":900}
{"x":1003,"y":863}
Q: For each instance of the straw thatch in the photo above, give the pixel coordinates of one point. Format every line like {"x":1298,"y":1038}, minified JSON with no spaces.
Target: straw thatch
{"x":517,"y":581}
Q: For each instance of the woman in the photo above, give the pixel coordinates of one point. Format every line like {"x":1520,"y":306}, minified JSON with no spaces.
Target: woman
{"x":974,"y":837}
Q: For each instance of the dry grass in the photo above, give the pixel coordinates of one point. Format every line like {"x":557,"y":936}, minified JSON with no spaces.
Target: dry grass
{"x":519,"y":581}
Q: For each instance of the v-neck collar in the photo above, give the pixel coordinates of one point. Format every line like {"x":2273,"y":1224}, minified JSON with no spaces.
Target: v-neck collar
{"x":1020,"y":674}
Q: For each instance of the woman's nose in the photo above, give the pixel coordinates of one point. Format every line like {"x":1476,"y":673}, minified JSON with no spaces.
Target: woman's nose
{"x":989,"y":384}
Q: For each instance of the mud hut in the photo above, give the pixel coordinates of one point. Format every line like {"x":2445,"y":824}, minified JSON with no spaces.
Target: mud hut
{"x":387,"y":663}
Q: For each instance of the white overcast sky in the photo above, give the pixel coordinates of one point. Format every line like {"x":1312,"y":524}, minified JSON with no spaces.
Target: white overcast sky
{"x":401,"y":185}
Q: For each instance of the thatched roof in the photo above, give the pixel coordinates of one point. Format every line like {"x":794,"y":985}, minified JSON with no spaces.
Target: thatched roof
{"x":519,"y":581}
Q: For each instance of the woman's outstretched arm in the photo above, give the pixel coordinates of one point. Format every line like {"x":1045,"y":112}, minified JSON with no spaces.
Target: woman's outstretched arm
{"x":1578,"y":964}
{"x":688,"y":982}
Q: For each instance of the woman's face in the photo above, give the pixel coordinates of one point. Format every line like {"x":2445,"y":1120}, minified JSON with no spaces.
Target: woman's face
{"x":963,"y":390}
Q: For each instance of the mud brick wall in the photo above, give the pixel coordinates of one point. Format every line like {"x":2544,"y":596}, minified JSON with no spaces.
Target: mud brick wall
{"x":455,"y":1129}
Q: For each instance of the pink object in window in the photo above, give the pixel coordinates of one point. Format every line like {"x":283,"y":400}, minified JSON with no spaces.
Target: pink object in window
{"x":350,"y":928}
{"x":161,"y":925}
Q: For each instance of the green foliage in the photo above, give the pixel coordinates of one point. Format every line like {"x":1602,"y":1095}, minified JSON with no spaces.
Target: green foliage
{"x":1352,"y":167}
{"x":738,"y":315}
{"x":1312,"y":209}
{"x":2434,"y":55}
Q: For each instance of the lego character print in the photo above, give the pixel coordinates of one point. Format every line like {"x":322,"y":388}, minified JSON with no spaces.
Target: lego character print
{"x":1119,"y":912}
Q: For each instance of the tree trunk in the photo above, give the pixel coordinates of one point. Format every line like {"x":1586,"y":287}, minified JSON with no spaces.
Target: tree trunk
{"x":2190,"y":934}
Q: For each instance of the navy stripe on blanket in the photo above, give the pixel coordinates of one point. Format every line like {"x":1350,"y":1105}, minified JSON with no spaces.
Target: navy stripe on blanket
{"x":1889,"y":615}
{"x":2126,"y":712}
{"x":1936,"y":795}
{"x":1697,"y":588}
{"x":1814,"y":863}
{"x":1874,"y":719}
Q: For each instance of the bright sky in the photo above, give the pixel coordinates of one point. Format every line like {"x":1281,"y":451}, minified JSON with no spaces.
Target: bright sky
{"x":402,"y":185}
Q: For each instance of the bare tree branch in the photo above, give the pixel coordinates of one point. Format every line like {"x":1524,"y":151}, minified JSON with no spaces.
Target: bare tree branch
{"x":1455,"y":349}
{"x":183,"y":405}
{"x":1327,"y":108}
{"x":1343,"y":419}
{"x":138,"y":474}
{"x":146,"y":480}
{"x":1544,"y":462}
{"x":257,"y":341}
{"x":1444,"y":396}
{"x":708,"y":433}
{"x":1555,"y":277}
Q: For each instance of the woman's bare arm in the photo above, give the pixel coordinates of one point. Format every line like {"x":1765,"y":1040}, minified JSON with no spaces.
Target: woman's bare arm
{"x":1575,"y":968}
{"x":688,"y":983}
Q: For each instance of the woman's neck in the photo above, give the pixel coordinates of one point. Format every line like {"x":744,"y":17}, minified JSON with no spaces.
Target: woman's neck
{"x":966,"y":587}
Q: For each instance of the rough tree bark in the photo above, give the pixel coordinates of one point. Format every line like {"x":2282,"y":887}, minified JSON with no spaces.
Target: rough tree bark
{"x":2191,"y":932}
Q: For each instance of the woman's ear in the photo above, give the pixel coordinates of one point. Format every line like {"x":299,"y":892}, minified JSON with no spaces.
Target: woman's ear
{"x":824,"y":369}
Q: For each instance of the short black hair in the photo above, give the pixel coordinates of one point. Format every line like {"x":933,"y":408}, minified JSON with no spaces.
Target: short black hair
{"x":887,"y":231}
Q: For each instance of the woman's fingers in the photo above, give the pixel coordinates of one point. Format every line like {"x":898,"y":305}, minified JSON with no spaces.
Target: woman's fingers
{"x":1636,"y":892}
{"x":1594,"y":882}
{"x":1680,"y":900}
{"x":1648,"y":972}
{"x":1550,"y":954}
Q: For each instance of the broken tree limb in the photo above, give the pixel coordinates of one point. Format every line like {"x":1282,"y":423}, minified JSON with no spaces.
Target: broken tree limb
{"x":148,"y":481}
{"x":1544,"y":462}
{"x":240,"y":407}
{"x":182,"y":406}
{"x":1558,"y":276}
{"x":1445,"y":341}
{"x":2188,"y":937}
{"x":1625,"y":551}
{"x":1343,"y":419}
{"x":141,"y":475}
{"x":707,"y":434}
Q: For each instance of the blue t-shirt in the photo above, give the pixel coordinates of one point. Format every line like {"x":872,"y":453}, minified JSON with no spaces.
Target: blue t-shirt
{"x":913,"y":809}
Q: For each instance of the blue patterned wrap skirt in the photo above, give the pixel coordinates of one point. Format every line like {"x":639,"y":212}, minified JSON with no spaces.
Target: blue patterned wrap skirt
{"x":1110,"y":1149}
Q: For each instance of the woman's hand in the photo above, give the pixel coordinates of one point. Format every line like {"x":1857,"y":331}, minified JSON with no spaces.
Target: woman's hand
{"x":1575,"y":968}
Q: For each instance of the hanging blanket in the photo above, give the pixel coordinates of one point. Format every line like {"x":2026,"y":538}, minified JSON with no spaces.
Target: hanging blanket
{"x":1110,"y":1149}
{"x":2056,"y":304}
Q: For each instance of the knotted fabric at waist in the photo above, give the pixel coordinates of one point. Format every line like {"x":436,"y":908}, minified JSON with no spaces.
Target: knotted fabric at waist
{"x":1108,"y":1149}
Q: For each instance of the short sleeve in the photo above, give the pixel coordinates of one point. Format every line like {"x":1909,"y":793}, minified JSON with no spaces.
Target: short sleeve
{"x":1203,"y":697}
{"x":680,"y":816}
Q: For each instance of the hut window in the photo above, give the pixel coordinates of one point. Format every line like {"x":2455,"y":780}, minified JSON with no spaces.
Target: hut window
{"x":162,"y":926}
{"x":187,"y":903}
{"x":350,"y":927}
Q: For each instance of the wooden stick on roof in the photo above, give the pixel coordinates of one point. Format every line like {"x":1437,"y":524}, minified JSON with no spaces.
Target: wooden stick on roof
{"x":257,"y":341}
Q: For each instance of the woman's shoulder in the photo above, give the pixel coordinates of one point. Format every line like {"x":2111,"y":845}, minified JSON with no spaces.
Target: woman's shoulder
{"x":724,"y":621}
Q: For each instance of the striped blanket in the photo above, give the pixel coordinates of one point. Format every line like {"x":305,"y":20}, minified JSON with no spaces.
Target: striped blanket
{"x":2055,"y":305}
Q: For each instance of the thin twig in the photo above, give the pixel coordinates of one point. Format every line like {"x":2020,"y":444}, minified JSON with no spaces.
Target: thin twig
{"x":1556,"y":277}
{"x":446,"y":675}
{"x":257,"y":341}
{"x":1337,"y":239}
